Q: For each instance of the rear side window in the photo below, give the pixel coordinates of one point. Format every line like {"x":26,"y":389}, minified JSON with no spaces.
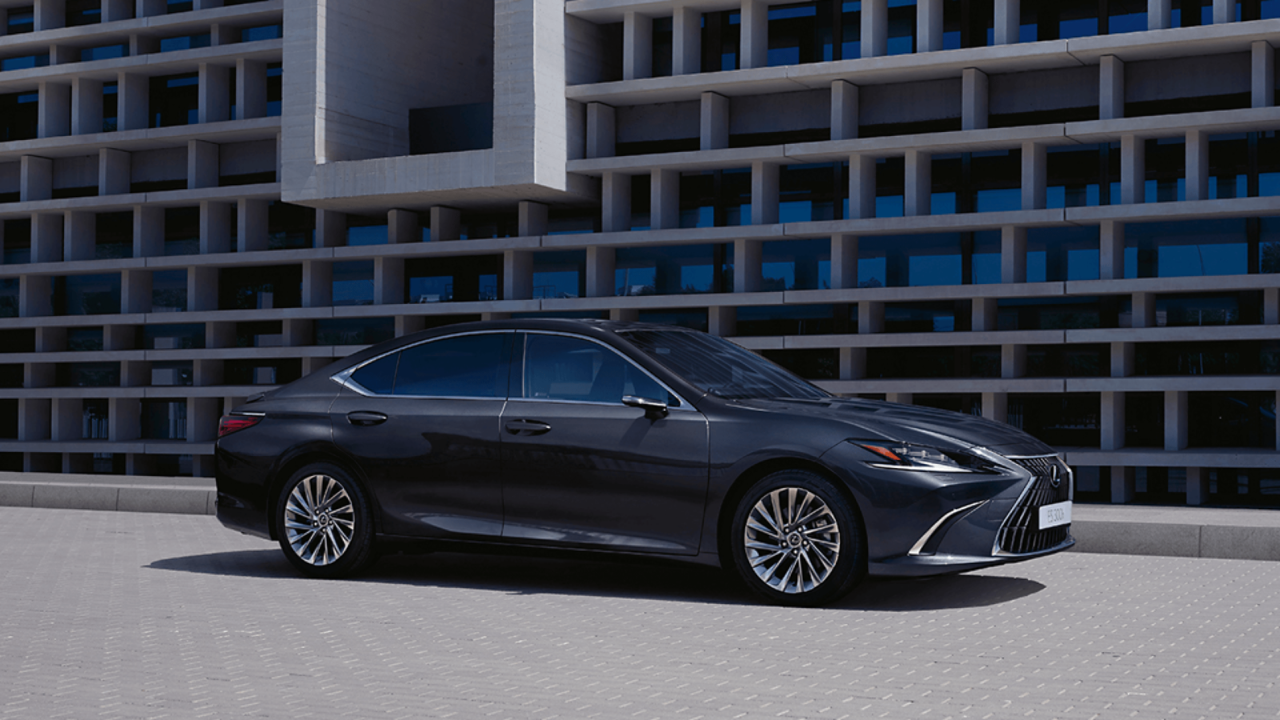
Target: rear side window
{"x":470,"y":366}
{"x":378,"y":377}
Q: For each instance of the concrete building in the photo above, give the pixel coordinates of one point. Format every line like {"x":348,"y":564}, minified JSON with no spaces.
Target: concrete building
{"x":1063,"y":214}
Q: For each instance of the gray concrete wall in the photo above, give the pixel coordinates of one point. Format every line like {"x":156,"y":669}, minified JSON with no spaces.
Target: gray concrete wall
{"x":663,"y":121}
{"x":778,"y":113}
{"x":1172,"y":78}
{"x":246,"y":158}
{"x":1043,"y":90}
{"x":910,"y":102}
{"x":157,"y":165}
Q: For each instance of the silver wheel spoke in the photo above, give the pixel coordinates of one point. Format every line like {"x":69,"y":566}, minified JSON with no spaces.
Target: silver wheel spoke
{"x":792,"y":540}
{"x":319,"y":520}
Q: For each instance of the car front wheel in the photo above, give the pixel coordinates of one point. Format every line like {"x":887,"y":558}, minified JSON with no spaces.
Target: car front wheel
{"x":325,"y":522}
{"x":796,"y":540}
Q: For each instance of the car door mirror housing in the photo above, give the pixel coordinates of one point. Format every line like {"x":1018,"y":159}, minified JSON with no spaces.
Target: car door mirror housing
{"x":653,"y":409}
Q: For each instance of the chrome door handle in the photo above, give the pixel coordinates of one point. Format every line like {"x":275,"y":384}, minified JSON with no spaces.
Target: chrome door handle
{"x":363,"y":418}
{"x":527,"y":427}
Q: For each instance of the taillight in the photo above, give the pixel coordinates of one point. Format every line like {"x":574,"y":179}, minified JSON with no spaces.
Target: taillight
{"x":234,"y":423}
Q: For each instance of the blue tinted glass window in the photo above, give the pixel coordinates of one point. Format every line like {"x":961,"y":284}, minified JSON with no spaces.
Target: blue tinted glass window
{"x":471,"y":366}
{"x":568,"y":368}
{"x":379,"y":376}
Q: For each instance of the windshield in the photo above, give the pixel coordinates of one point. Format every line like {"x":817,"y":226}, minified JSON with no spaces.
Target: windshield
{"x":720,"y":367}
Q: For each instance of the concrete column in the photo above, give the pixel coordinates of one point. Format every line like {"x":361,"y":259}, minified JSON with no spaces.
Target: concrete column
{"x":1112,"y":420}
{"x":754,"y":52}
{"x":388,"y":281}
{"x":409,"y":324}
{"x":297,"y":332}
{"x":844,"y":110}
{"x":919,"y":183}
{"x":1123,"y":356}
{"x":1111,"y":250}
{"x":46,"y":237}
{"x":86,"y":106}
{"x":1111,"y":88}
{"x":532,"y":219}
{"x":220,"y":335}
{"x":331,"y":228}
{"x":1175,"y":420}
{"x":115,"y":172}
{"x":1013,"y":361}
{"x":686,"y":46}
{"x":764,"y":193}
{"x":202,"y":419}
{"x":446,"y":223}
{"x":1144,"y":310}
{"x":602,"y":133}
{"x":616,"y":202}
{"x":900,"y":398}
{"x":1197,"y":165}
{"x":113,"y":10}
{"x":35,"y":416}
{"x":862,"y":187}
{"x":985,"y":314}
{"x":39,"y":375}
{"x":317,"y":283}
{"x":124,"y":419}
{"x":150,"y":8}
{"x":601,"y":271}
{"x":928,"y":25}
{"x":79,"y":231}
{"x":1133,"y":169}
{"x":664,"y":199}
{"x":214,"y":93}
{"x":974,"y":101}
{"x":35,"y":179}
{"x":251,"y":225}
{"x":870,"y":317}
{"x":1035,"y":175}
{"x":35,"y":296}
{"x":722,"y":321}
{"x":853,"y":363}
{"x":844,"y":262}
{"x":1264,"y":74}
{"x":63,"y":54}
{"x":747,"y":268}
{"x":202,"y":289}
{"x":875,"y":28}
{"x":517,"y":275}
{"x":202,"y":164}
{"x":118,"y":337}
{"x":148,"y":231}
{"x":50,"y":14}
{"x":53,"y":116}
{"x":135,"y":292}
{"x":215,"y":227}
{"x":1008,"y":21}
{"x":1013,"y":255}
{"x":1122,"y":484}
{"x":251,"y":89}
{"x":403,"y":227}
{"x":637,"y":46}
{"x":1159,"y":14}
{"x":995,"y":406}
{"x":1224,"y":11}
{"x":133,"y":98}
{"x":714,"y":128}
{"x":1271,"y":306}
{"x":143,"y":45}
{"x":1197,"y":480}
{"x":624,"y":314}
{"x":223,"y":34}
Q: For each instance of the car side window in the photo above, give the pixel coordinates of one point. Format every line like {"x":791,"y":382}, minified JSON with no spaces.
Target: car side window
{"x":557,"y":367}
{"x":470,"y":366}
{"x":379,"y":376}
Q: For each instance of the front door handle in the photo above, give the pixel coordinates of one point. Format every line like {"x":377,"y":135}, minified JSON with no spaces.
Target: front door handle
{"x":527,"y":427}
{"x":364,"y":418}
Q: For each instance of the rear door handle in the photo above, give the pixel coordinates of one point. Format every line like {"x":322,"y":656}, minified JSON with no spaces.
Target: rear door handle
{"x":364,"y":418}
{"x":527,"y":427}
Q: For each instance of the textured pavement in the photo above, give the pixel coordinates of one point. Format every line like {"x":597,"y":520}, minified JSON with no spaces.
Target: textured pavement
{"x":124,"y":615}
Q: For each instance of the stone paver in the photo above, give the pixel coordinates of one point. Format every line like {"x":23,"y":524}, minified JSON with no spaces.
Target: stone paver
{"x":123,"y":615}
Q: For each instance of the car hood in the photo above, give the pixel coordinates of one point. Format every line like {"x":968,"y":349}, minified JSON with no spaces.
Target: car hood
{"x":871,"y":420}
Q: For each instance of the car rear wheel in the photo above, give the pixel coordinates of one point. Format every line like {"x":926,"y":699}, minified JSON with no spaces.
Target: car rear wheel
{"x":796,"y":540}
{"x":325,"y":522}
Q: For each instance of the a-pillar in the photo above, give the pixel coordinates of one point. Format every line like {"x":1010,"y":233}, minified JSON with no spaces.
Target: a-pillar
{"x":844,"y":110}
{"x":1013,"y":361}
{"x":46,"y":237}
{"x":714,"y":125}
{"x":251,"y":225}
{"x":317,"y":283}
{"x":862,"y":187}
{"x":1008,"y":21}
{"x":403,"y":227}
{"x":148,"y":231}
{"x":1197,"y":165}
{"x":875,"y":28}
{"x":202,"y":164}
{"x":637,"y":46}
{"x":1159,"y":14}
{"x":1133,"y":169}
{"x":1264,"y":74}
{"x":602,"y":262}
{"x":113,"y":10}
{"x":446,"y":223}
{"x":870,"y":317}
{"x":1123,"y":356}
{"x":215,"y":227}
{"x":331,"y":228}
{"x":1175,"y":420}
{"x":532,"y":219}
{"x":86,"y":106}
{"x":1112,"y":420}
{"x":517,"y":275}
{"x":214,"y":93}
{"x":1197,"y":486}
{"x":133,"y":97}
{"x":722,"y":321}
{"x":251,"y":89}
{"x":975,"y":106}
{"x":1144,"y":310}
{"x":115,"y":168}
{"x":748,"y":256}
{"x":615,"y":202}
{"x":1111,"y":250}
{"x":35,"y":179}
{"x":928,"y":25}
{"x":919,"y":183}
{"x":50,"y":14}
{"x":202,"y":288}
{"x":388,"y":281}
{"x":602,"y":130}
{"x":755,"y":34}
{"x":686,"y":35}
{"x":1111,"y":88}
{"x":844,"y":262}
{"x":1035,"y":175}
{"x":1013,"y":255}
{"x":1224,"y":11}
{"x":79,"y":230}
{"x":995,"y":406}
{"x":764,"y":193}
{"x":1122,"y":484}
{"x":135,"y":291}
{"x":664,"y":199}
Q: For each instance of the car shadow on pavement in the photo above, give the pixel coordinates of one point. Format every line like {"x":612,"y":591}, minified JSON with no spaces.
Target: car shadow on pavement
{"x":638,"y":578}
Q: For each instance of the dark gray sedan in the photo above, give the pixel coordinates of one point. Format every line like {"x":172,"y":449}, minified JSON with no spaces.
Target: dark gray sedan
{"x":629,"y":438}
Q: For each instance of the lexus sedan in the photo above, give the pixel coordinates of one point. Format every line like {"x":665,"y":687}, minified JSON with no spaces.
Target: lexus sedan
{"x":629,"y":438}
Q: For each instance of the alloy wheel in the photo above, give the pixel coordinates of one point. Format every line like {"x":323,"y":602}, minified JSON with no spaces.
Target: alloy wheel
{"x":792,"y":540}
{"x":319,"y":520}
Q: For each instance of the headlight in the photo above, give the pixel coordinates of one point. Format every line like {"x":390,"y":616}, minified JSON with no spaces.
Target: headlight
{"x":904,"y":456}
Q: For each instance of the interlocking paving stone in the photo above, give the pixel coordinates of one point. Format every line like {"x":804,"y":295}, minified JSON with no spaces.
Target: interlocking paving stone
{"x":126,"y":615}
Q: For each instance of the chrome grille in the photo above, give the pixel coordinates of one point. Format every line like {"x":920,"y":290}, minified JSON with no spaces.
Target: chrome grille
{"x":1020,"y":533}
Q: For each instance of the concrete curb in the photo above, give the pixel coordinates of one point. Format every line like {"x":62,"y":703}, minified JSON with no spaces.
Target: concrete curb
{"x":186,"y":496}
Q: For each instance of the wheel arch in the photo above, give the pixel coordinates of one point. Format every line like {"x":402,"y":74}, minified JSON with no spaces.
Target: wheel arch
{"x":308,"y":456}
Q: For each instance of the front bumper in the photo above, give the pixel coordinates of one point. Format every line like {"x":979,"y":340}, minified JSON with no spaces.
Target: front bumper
{"x":942,"y":564}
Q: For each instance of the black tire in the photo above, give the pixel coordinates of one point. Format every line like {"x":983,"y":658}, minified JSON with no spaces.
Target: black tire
{"x":808,"y":563}
{"x":337,"y":539}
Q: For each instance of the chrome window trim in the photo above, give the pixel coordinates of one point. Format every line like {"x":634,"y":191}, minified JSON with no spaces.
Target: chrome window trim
{"x":924,"y":539}
{"x":684,"y":406}
{"x":343,"y":377}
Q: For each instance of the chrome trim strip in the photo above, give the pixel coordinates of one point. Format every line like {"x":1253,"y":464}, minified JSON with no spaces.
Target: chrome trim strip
{"x":924,"y":539}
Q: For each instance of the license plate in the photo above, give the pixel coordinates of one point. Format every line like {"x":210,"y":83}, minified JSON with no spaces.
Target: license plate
{"x":1052,"y":516}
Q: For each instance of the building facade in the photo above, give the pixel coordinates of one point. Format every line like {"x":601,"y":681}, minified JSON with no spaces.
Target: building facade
{"x":1063,"y":214}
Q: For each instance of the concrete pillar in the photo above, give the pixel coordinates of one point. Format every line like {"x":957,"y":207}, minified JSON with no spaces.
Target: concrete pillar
{"x":844,"y":262}
{"x":251,"y":225}
{"x":1013,"y":255}
{"x":517,"y":275}
{"x":118,"y":337}
{"x":853,"y":363}
{"x":1123,"y":355}
{"x":1224,"y":11}
{"x":919,"y":183}
{"x":532,"y":219}
{"x":1197,"y":481}
{"x":1111,"y":250}
{"x":202,"y":289}
{"x":35,"y":179}
{"x":223,"y":34}
{"x":686,"y":47}
{"x":46,"y":237}
{"x":602,"y":133}
{"x":35,"y":296}
{"x":754,"y":52}
{"x":86,"y":106}
{"x":143,"y":45}
{"x":1197,"y":169}
{"x":39,"y":375}
{"x":875,"y":28}
{"x":1271,"y":306}
{"x":1175,"y":420}
{"x":664,"y":199}
{"x":403,"y":227}
{"x":50,"y":14}
{"x":331,"y":229}
{"x":150,"y":8}
{"x":53,"y":116}
{"x":862,"y":187}
{"x":388,"y":281}
{"x":601,"y":271}
{"x":133,"y":98}
{"x":202,"y":419}
{"x":202,"y":164}
{"x":215,"y":227}
{"x":113,"y":10}
{"x":985,"y":314}
{"x":251,"y":89}
{"x":214,"y":93}
{"x":844,"y":110}
{"x":974,"y":100}
{"x":928,"y":25}
{"x":870,"y":317}
{"x":1008,"y":21}
{"x":624,"y":314}
{"x":317,"y":283}
{"x":135,"y":373}
{"x":148,"y":231}
{"x":1013,"y":361}
{"x":1122,"y":484}
{"x":995,"y":406}
{"x":1112,"y":420}
{"x":115,"y":172}
{"x":615,"y":202}
{"x":1111,"y":88}
{"x":900,"y":398}
{"x":1159,"y":14}
{"x":220,"y":335}
{"x":1144,"y":309}
{"x":1035,"y":175}
{"x":764,"y":193}
{"x":722,"y":321}
{"x":714,"y":128}
{"x":637,"y":46}
{"x":747,"y":265}
{"x":50,"y":339}
{"x":446,"y":223}
{"x":35,"y":415}
{"x":135,"y":292}
{"x":1133,"y":169}
{"x":79,"y":230}
{"x":1264,"y":74}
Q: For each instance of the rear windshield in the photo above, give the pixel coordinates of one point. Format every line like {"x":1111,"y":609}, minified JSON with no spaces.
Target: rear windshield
{"x":720,"y":367}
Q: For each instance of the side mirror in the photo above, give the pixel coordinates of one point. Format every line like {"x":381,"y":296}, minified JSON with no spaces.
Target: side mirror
{"x":653,"y":409}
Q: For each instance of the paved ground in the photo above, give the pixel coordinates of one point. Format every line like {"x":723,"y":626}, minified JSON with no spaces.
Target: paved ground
{"x":124,"y":615}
